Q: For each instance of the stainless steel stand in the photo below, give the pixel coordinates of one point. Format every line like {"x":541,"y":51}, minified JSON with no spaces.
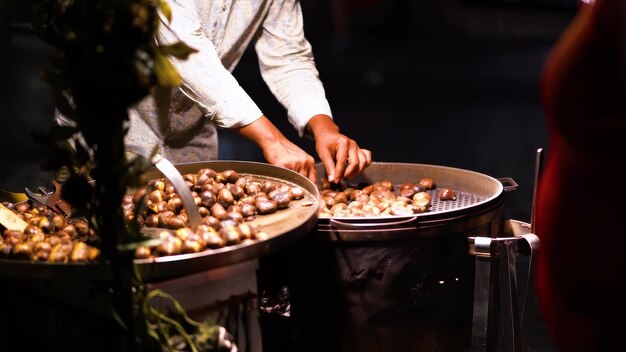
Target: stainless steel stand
{"x":503,"y":292}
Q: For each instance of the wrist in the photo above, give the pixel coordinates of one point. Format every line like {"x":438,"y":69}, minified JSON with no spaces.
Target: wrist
{"x":262,"y":132}
{"x":321,"y":124}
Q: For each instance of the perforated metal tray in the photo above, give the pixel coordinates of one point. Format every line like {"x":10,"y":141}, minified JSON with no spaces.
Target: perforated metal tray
{"x":283,"y":227}
{"x":477,"y":194}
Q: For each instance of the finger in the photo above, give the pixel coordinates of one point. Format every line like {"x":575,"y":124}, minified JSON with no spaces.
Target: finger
{"x":366,"y":159}
{"x":312,"y":174}
{"x":340,"y":161}
{"x":363,"y":163}
{"x":353,"y":161}
{"x":300,"y":168}
{"x":329,"y":163}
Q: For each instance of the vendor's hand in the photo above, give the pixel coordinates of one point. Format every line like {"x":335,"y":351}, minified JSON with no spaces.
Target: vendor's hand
{"x":277,"y":149}
{"x":288,"y":155}
{"x":341,"y":156}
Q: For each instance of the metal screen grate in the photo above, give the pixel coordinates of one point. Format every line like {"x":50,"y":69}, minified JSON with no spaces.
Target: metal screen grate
{"x":463,"y":200}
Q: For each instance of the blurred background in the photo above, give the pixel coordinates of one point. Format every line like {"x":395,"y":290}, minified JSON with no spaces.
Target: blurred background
{"x":446,"y":82}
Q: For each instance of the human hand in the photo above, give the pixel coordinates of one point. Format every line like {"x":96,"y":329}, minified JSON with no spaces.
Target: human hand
{"x":288,"y":155}
{"x":278,"y":150}
{"x":341,"y":156}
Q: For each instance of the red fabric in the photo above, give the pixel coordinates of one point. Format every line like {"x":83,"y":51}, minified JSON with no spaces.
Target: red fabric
{"x":581,"y":204}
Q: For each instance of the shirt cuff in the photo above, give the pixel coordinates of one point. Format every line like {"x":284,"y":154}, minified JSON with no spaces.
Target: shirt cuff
{"x":303,"y":108}
{"x":237,"y":111}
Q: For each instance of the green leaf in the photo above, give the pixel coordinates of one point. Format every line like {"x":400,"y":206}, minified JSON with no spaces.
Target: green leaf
{"x":165,"y":71}
{"x":178,"y":50}
{"x":166,"y":10}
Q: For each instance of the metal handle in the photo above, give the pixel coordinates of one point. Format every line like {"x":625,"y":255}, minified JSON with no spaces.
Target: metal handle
{"x":172,"y":174}
{"x":346,"y":225}
{"x":538,"y":172}
{"x":508,"y":184}
{"x":528,"y":247}
{"x":496,"y":271}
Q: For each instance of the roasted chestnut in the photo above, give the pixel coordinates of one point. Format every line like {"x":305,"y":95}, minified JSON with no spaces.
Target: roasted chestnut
{"x":164,"y":216}
{"x":171,"y":245}
{"x":236,"y":191}
{"x":214,"y":241}
{"x":175,"y":204}
{"x":143,"y":252}
{"x":447,"y":194}
{"x":175,"y":222}
{"x":80,"y":252}
{"x":22,"y":250}
{"x":268,"y":186}
{"x":212,"y":221}
{"x":190,"y":246}
{"x":230,"y":235}
{"x":60,"y":252}
{"x":247,"y":232}
{"x":282,"y":199}
{"x":22,"y":207}
{"x":225,"y":197}
{"x":82,"y":228}
{"x":152,"y":220}
{"x":218,"y":211}
{"x":248,"y":210}
{"x":427,"y":183}
{"x":227,"y":176}
{"x":208,"y":198}
{"x":209,"y":172}
{"x":297,"y":193}
{"x":324,"y":183}
{"x":204,"y":211}
{"x":266,"y":206}
{"x":5,"y":249}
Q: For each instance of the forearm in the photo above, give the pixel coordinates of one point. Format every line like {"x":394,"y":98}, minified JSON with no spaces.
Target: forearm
{"x":262,"y":132}
{"x":277,"y":149}
{"x":320,"y":124}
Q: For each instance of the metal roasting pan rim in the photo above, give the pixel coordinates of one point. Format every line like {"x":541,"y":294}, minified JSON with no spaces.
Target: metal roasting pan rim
{"x":491,"y":189}
{"x":300,"y":223}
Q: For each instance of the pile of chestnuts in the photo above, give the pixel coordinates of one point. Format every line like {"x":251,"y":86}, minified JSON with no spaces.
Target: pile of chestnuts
{"x":48,"y":237}
{"x":226,"y":202}
{"x":381,"y":198}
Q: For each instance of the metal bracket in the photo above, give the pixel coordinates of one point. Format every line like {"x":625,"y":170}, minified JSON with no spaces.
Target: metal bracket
{"x":501,"y":296}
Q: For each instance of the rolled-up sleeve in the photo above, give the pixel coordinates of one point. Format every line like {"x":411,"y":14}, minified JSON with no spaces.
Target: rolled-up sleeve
{"x":205,"y":79}
{"x":287,"y":64}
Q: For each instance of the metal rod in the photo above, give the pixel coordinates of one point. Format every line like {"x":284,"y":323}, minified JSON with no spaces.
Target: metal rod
{"x":482,"y":294}
{"x":538,"y":172}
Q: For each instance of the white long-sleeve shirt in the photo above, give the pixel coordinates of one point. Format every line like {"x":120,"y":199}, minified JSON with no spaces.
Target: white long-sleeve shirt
{"x":221,"y":30}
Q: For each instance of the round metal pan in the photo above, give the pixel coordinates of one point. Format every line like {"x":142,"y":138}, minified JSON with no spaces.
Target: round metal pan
{"x":477,"y":194}
{"x":283,"y":227}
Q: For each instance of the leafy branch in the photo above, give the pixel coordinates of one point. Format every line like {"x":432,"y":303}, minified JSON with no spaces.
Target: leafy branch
{"x":106,"y":60}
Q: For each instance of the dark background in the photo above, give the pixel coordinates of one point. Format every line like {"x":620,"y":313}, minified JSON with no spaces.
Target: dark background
{"x":444,"y":82}
{"x":452,"y":83}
